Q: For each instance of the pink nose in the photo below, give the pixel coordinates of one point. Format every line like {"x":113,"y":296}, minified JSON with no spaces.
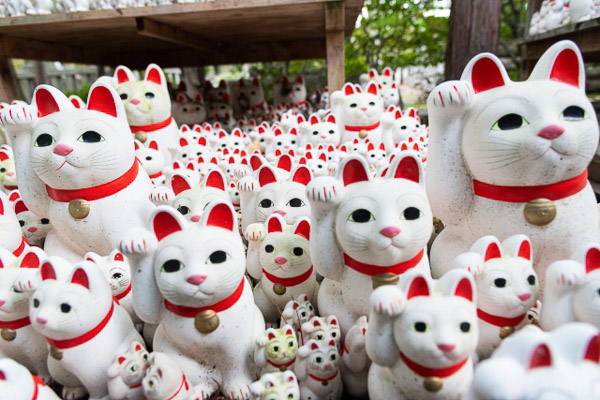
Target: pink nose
{"x":10,"y":173}
{"x":41,"y":321}
{"x":196,"y":279}
{"x":390,"y":231}
{"x":135,"y":102}
{"x":32,"y":229}
{"x":280,"y":260}
{"x":525,"y":296}
{"x":280,"y":212}
{"x":364,"y":108}
{"x":2,"y":302}
{"x":195,"y":218}
{"x":62,"y":149}
{"x":551,"y":132}
{"x":446,"y":347}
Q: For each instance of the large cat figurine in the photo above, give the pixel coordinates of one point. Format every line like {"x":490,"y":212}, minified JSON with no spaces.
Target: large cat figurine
{"x":78,"y":168}
{"x":198,"y":295}
{"x":366,"y":231}
{"x":17,"y":383}
{"x":510,"y":157}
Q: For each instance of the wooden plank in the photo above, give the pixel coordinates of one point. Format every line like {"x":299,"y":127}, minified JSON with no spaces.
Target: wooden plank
{"x":334,"y":38}
{"x":8,"y":87}
{"x":154,"y":29}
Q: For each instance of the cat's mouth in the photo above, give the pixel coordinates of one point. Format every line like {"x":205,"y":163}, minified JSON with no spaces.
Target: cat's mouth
{"x":66,"y":162}
{"x":553,"y":149}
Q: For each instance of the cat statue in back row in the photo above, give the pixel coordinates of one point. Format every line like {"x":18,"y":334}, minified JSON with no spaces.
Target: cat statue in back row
{"x":17,"y":383}
{"x":78,"y":169}
{"x":514,"y":153}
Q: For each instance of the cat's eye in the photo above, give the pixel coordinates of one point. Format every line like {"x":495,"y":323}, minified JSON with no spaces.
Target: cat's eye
{"x":297,"y":89}
{"x":145,"y":357}
{"x":184,"y":155}
{"x":403,"y":127}
{"x":253,"y":92}
{"x":266,"y":203}
{"x":295,"y":202}
{"x":319,"y":337}
{"x":184,"y":109}
{"x":372,"y":103}
{"x":411,"y":213}
{"x":197,"y":108}
{"x":298,"y":251}
{"x":148,"y":158}
{"x":172,"y":266}
{"x":361,"y":216}
{"x":372,"y":155}
{"x":417,"y":125}
{"x":293,"y":142}
{"x":353,"y":105}
{"x":509,"y":121}
{"x":500,"y":282}
{"x":290,"y":344}
{"x":117,"y":275}
{"x":44,"y":221}
{"x":331,"y":131}
{"x":598,"y":292}
{"x":262,"y":140}
{"x":183,"y":210}
{"x":574,"y":113}
{"x":333,"y":357}
{"x":36,"y":303}
{"x":133,"y":368}
{"x":315,"y":133}
{"x":531,"y":279}
{"x":465,"y":327}
{"x":44,"y":140}
{"x":303,"y":314}
{"x":149,"y":95}
{"x":290,"y":395}
{"x":65,"y":308}
{"x":22,"y":223}
{"x":123,"y":96}
{"x":218,"y":257}
{"x":420,"y":327}
{"x":310,"y":307}
{"x":90,"y":137}
{"x":319,"y":360}
{"x":278,"y":143}
{"x":269,"y":248}
{"x":334,"y":334}
{"x":275,"y":348}
{"x":2,"y":170}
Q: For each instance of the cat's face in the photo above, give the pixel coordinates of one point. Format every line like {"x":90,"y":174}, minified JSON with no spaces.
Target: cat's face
{"x":364,"y":108}
{"x":192,"y":151}
{"x":217,"y":110}
{"x":10,"y":230}
{"x":34,"y":228}
{"x":322,"y":330}
{"x":407,"y":126}
{"x":389,"y":95}
{"x":324,"y":358}
{"x":252,"y":92}
{"x":282,"y":344}
{"x":298,"y":311}
{"x":283,"y":141}
{"x":151,"y":158}
{"x":376,"y":156}
{"x":116,"y":269}
{"x":298,"y":91}
{"x":132,"y":364}
{"x":218,"y":93}
{"x":192,"y":200}
{"x":285,"y":250}
{"x":163,"y":377}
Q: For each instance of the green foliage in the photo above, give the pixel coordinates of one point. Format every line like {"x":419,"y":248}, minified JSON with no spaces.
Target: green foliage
{"x":82,"y":92}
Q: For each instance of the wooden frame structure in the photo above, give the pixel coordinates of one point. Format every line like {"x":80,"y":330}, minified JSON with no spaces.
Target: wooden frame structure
{"x":212,"y":32}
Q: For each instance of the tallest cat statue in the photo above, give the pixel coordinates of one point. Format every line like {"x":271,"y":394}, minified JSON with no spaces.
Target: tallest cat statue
{"x":511,"y":157}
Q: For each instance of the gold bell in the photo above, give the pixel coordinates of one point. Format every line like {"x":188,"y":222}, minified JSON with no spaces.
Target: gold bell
{"x":79,"y":208}
{"x":206,"y":321}
{"x":433,"y":384}
{"x":384,"y":279}
{"x":362,"y":134}
{"x":141,"y":136}
{"x":506,"y":331}
{"x":540,"y":212}
{"x":282,"y":368}
{"x":8,"y":334}
{"x":279,"y":289}
{"x":56,"y":353}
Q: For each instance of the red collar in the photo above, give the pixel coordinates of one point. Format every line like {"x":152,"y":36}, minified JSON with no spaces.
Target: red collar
{"x":37,"y":382}
{"x":281,"y":365}
{"x":368,"y":269}
{"x":499,"y":321}
{"x":289,"y":282}
{"x":21,"y":247}
{"x":125,"y":293}
{"x":151,"y":127}
{"x":16,"y":324}
{"x":344,"y":349}
{"x":68,"y":343}
{"x":135,"y":386}
{"x":191,"y":312}
{"x":426,"y":372}
{"x":360,"y":128}
{"x":316,"y":378}
{"x":184,"y":383}
{"x":300,"y":103}
{"x":524,"y":194}
{"x":10,"y":187}
{"x":95,"y":192}
{"x":258,"y":106}
{"x":156,"y":175}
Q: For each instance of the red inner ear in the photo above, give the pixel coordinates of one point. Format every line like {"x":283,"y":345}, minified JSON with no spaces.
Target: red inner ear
{"x":102,"y":100}
{"x":122,"y":76}
{"x":121,"y":360}
{"x":215,"y":180}
{"x":408,"y":169}
{"x":592,"y":353}
{"x":153,"y":145}
{"x":492,"y":251}
{"x":333,"y":322}
{"x":331,"y":119}
{"x":165,"y":224}
{"x":75,"y":103}
{"x":80,"y":278}
{"x":2,"y":376}
{"x":314,"y":346}
{"x":285,"y":162}
{"x":541,"y":357}
{"x":118,"y":257}
{"x":154,"y":76}
{"x":48,"y":271}
{"x":30,"y":260}
{"x":138,"y":347}
{"x":525,"y":250}
{"x":303,"y":229}
{"x":566,"y":68}
{"x":271,"y":336}
{"x":486,"y":75}
{"x":348,"y":89}
{"x":179,"y":184}
{"x":302,"y":175}
{"x":418,"y":287}
{"x":20,"y":207}
{"x":354,"y":172}
{"x":372,"y":89}
{"x":45,"y":103}
{"x":183,"y":142}
{"x":274,"y":225}
{"x":464,"y":289}
{"x":221,"y":216}
{"x":291,"y":378}
{"x":266,"y":176}
{"x":314,"y":120}
{"x":289,"y":332}
{"x":592,"y":260}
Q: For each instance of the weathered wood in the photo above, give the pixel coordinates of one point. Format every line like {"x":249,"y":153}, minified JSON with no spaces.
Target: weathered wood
{"x":39,"y":72}
{"x":8,"y":87}
{"x":334,"y":37}
{"x":158,"y":30}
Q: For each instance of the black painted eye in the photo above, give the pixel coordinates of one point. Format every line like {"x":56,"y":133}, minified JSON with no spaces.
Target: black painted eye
{"x":64,"y":307}
{"x":353,"y":105}
{"x":465,"y":327}
{"x":333,"y":357}
{"x":411,"y":213}
{"x":44,"y":140}
{"x":197,"y":108}
{"x":531,"y":279}
{"x":184,"y":155}
{"x":183,"y":210}
{"x":36,"y":303}
{"x":278,"y":143}
{"x":372,"y":155}
{"x":372,"y":103}
{"x":500,"y":282}
{"x":295,"y":202}
{"x":298,"y":251}
{"x":184,"y":109}
{"x":315,"y":133}
{"x":303,"y":314}
{"x":573,"y":113}
{"x":44,"y":221}
{"x":252,"y":92}
{"x":262,"y":140}
{"x":218,"y":257}
{"x":90,"y":137}
{"x":22,"y":223}
{"x":361,"y":215}
{"x":508,"y":122}
{"x":269,"y":248}
{"x":118,"y":275}
{"x":297,"y":89}
{"x":420,"y":326}
{"x":331,"y":131}
{"x":2,"y":170}
{"x":275,"y":348}
{"x":319,"y":360}
{"x":403,"y":127}
{"x":123,"y":96}
{"x":290,"y":395}
{"x":149,"y":95}
{"x":172,"y":266}
{"x":293,"y":142}
{"x":148,"y":158}
{"x":334,"y":334}
{"x":145,"y":357}
{"x":266,"y":203}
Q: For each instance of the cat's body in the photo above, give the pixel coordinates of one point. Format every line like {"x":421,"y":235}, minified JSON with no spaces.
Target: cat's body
{"x":317,"y":370}
{"x":355,"y":363}
{"x":164,"y":379}
{"x":126,"y":372}
{"x":276,"y":350}
{"x":17,"y":383}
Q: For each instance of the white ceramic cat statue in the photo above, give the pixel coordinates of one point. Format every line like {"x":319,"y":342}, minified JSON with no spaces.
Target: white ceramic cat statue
{"x":515,"y":153}
{"x":421,"y":336}
{"x":11,"y":238}
{"x":17,"y":383}
{"x":126,"y":372}
{"x":78,"y":169}
{"x":366,"y":231}
{"x":8,"y":176}
{"x":164,"y":379}
{"x":507,"y":287}
{"x":34,"y":229}
{"x":355,"y":364}
{"x":317,"y":370}
{"x":572,"y":289}
{"x":276,"y":385}
{"x":296,"y":313}
{"x":198,"y":295}
{"x":322,"y":330}
{"x":152,"y":160}
{"x":276,"y":350}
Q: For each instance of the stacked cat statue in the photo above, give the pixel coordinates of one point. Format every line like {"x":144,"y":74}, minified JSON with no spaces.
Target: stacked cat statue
{"x":510,"y":157}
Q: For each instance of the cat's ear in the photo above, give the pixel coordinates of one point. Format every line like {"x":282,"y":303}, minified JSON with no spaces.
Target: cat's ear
{"x":32,"y":257}
{"x":271,"y":334}
{"x":562,"y":62}
{"x":540,"y":357}
{"x":20,"y":206}
{"x":180,"y":182}
{"x":348,"y":89}
{"x":332,"y":320}
{"x":137,"y":346}
{"x":407,"y":165}
{"x":331,"y":119}
{"x":275,"y":223}
{"x":460,"y":283}
{"x":121,"y":360}
{"x":105,"y":99}
{"x":216,"y":179}
{"x":221,"y":215}
{"x":124,"y":74}
{"x":418,"y":285}
{"x":116,"y":255}
{"x":285,"y":162}
{"x":80,"y":277}
{"x":314,"y":345}
{"x":302,"y":174}
{"x":153,"y":145}
{"x":156,"y":75}
{"x":518,"y":246}
{"x":592,"y":351}
{"x":373,"y":88}
{"x":314,"y":120}
{"x":353,"y":169}
{"x":302,"y":228}
{"x":165,"y":221}
{"x":47,"y":271}
{"x":266,"y":175}
{"x":485,"y":72}
{"x":288,"y":330}
{"x":588,"y":255}
{"x":488,"y":246}
{"x":50,"y":100}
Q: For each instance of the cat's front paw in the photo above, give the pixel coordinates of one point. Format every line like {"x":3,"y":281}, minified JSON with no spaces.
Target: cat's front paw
{"x":325,"y":189}
{"x":18,"y":118}
{"x":451,"y":95}
{"x":240,"y":172}
{"x":73,"y":393}
{"x":254,"y":232}
{"x":262,"y":341}
{"x":237,"y":391}
{"x":27,"y":280}
{"x":248,"y":185}
{"x":388,"y":300}
{"x":138,"y":242}
{"x":161,"y":195}
{"x":565,"y":274}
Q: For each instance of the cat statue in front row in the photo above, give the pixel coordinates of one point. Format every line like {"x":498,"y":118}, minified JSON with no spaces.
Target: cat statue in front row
{"x":317,"y":370}
{"x":126,"y":373}
{"x":510,"y":157}
{"x":17,"y":383}
{"x":276,"y":350}
{"x":276,"y":385}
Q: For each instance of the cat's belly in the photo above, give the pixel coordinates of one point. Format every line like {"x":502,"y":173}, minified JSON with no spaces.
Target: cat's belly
{"x":307,"y":287}
{"x":373,"y":135}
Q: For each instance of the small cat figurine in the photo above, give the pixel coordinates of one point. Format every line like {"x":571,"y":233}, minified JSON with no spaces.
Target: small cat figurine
{"x":191,"y":200}
{"x":355,"y":364}
{"x":279,"y":256}
{"x":316,"y":132}
{"x":521,"y":161}
{"x":507,"y":287}
{"x":572,"y":289}
{"x":126,"y":372}
{"x":34,"y":229}
{"x":79,"y":169}
{"x":421,"y":336}
{"x":11,"y":237}
{"x":186,"y":111}
{"x":197,"y":295}
{"x":296,"y":313}
{"x":276,"y":350}
{"x":252,"y":97}
{"x":8,"y":175}
{"x":365,"y":231}
{"x":17,"y":383}
{"x":152,"y":160}
{"x":164,"y":379}
{"x":276,"y":385}
{"x":322,"y":330}
{"x":317,"y":370}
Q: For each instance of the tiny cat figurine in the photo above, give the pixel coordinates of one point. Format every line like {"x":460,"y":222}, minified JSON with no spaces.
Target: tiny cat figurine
{"x":316,"y":132}
{"x":197,"y":295}
{"x":296,"y":313}
{"x":252,"y":97}
{"x":322,"y":330}
{"x":507,"y":287}
{"x":572,"y":289}
{"x":164,"y":379}
{"x":8,"y":175}
{"x":421,"y":336}
{"x":282,"y":141}
{"x":276,"y":385}
{"x":126,"y":372}
{"x":355,"y":364}
{"x":79,"y":169}
{"x":17,"y":383}
{"x":279,"y":256}
{"x":34,"y":229}
{"x":276,"y":350}
{"x":148,"y":106}
{"x":152,"y":160}
{"x":11,"y":237}
{"x":366,"y":231}
{"x":187,"y":111}
{"x":191,"y":200}
{"x":317,"y":370}
{"x":515,"y":153}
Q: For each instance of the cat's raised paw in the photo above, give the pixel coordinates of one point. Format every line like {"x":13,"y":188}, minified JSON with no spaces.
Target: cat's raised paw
{"x":254,"y":232}
{"x":451,"y":94}
{"x":162,"y":195}
{"x":239,"y":391}
{"x":388,"y":300}
{"x":325,"y":190}
{"x":138,"y":241}
{"x":248,"y":184}
{"x":21,"y":116}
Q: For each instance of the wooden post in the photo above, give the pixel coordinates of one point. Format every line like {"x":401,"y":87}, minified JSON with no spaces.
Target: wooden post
{"x":39,"y":72}
{"x":8,"y":81}
{"x":334,"y":27}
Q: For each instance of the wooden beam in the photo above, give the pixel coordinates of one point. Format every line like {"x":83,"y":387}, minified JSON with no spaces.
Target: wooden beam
{"x":158,"y":30}
{"x":334,"y":39}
